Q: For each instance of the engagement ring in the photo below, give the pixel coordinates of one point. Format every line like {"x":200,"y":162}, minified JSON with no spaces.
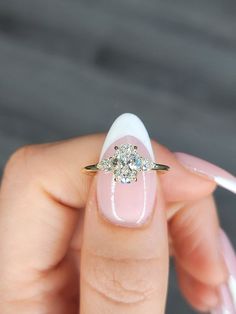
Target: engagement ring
{"x":125,"y":164}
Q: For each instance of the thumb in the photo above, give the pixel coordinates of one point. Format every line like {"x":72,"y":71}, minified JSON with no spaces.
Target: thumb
{"x":124,"y":266}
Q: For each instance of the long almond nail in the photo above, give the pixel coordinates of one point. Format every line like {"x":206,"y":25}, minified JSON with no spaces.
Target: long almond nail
{"x":222,"y":177}
{"x":227,"y":291}
{"x":125,"y":204}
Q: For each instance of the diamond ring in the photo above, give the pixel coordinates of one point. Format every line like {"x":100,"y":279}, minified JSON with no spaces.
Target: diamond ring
{"x":125,"y":164}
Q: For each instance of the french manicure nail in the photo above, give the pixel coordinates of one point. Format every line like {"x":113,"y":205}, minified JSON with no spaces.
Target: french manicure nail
{"x":129,"y":205}
{"x":226,"y":306}
{"x":227,"y":291}
{"x":230,"y":261}
{"x":222,"y":177}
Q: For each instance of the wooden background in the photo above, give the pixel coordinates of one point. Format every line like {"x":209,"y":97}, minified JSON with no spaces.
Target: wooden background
{"x":70,"y":67}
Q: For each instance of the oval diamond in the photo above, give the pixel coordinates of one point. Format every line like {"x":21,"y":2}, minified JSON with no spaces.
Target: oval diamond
{"x":125,"y":164}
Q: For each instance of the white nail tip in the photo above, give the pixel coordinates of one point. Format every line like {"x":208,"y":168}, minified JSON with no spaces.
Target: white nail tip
{"x":127,"y":124}
{"x":232,"y":288}
{"x":228,"y":184}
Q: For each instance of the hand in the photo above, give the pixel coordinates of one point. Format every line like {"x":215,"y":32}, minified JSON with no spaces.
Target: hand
{"x":55,"y":259}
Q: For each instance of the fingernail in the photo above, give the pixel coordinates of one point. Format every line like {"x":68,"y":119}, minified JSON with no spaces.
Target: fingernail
{"x":222,"y":177}
{"x":226,"y":306}
{"x":227,"y":291}
{"x":127,"y":204}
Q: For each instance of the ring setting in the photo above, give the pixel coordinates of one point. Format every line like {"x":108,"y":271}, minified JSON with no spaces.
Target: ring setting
{"x":125,"y":164}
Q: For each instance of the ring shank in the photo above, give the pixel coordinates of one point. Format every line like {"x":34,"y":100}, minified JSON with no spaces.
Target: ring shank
{"x":91,"y":168}
{"x":158,"y":167}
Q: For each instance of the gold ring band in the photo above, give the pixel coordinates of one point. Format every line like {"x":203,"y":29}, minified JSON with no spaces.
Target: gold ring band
{"x":158,"y":167}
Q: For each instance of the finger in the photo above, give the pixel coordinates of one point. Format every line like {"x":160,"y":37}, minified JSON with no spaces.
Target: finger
{"x":41,"y":200}
{"x":38,"y":222}
{"x":180,"y":184}
{"x":220,"y":299}
{"x":194,"y":231}
{"x":227,"y":291}
{"x":124,"y":265}
{"x":201,"y":296}
{"x":204,"y":168}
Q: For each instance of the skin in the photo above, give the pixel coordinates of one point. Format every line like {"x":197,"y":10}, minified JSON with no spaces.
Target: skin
{"x":58,"y":255}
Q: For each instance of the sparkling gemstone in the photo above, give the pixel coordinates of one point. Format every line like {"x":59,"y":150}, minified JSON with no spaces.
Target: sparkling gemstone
{"x":147,"y":164}
{"x":125,"y":163}
{"x":105,"y":165}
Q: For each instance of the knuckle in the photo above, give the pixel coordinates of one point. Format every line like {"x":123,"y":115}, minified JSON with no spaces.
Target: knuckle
{"x":124,"y":281}
{"x":18,"y":157}
{"x":18,"y":163}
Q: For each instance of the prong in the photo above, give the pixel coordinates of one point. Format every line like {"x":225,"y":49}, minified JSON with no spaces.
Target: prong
{"x":135,"y":147}
{"x":116,"y":147}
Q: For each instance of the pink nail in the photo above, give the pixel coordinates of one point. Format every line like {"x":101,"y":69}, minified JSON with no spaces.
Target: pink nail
{"x":125,"y":204}
{"x":213,"y":172}
{"x":226,"y":306}
{"x":230,"y":260}
{"x":227,"y":291}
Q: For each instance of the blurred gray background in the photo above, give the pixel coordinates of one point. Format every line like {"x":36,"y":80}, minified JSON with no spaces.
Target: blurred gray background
{"x":69,"y":67}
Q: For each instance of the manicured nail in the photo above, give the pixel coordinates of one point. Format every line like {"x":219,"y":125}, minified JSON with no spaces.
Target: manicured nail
{"x":230,"y":261}
{"x":122,"y":203}
{"x":227,"y":291}
{"x":222,"y":177}
{"x":226,"y":306}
